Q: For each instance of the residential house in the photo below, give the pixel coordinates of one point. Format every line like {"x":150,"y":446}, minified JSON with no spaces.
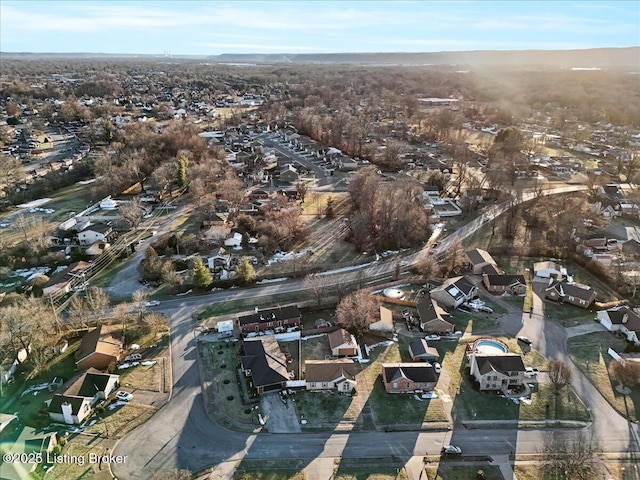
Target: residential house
{"x":408,"y":377}
{"x":478,"y":259}
{"x":574,"y":293}
{"x":497,"y":372}
{"x":338,"y":375}
{"x":96,"y":249}
{"x":98,"y":232}
{"x":219,"y":259}
{"x":385,"y":324}
{"x":515,"y":284}
{"x":549,"y":270}
{"x":631,"y":248}
{"x":433,"y":318}
{"x":93,"y":384}
{"x":621,"y":319}
{"x":342,"y":344}
{"x":72,"y":410}
{"x":454,"y":292}
{"x":420,"y":351}
{"x":265,"y":363}
{"x":98,"y":349}
{"x":347,"y":163}
{"x":108,"y":203}
{"x":289,"y":174}
{"x":62,"y":282}
{"x":276,"y":319}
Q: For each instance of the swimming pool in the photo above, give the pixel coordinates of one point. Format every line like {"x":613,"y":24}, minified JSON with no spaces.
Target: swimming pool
{"x":487,"y":346}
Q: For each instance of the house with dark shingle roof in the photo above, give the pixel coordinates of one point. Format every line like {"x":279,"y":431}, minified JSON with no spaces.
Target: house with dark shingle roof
{"x":338,"y":375}
{"x":420,"y":351}
{"x":478,"y":259}
{"x":265,"y":363}
{"x":98,"y":349}
{"x":621,"y":319}
{"x":80,"y":394}
{"x":69,"y":409}
{"x":454,"y":292}
{"x":270,"y":319}
{"x":574,"y":293}
{"x":408,"y":377}
{"x":62,"y":282}
{"x":433,"y":318}
{"x":497,"y":372}
{"x":631,"y":247}
{"x":515,"y":284}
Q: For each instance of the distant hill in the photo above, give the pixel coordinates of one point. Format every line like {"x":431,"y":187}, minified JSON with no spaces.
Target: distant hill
{"x":628,"y":57}
{"x":597,"y":57}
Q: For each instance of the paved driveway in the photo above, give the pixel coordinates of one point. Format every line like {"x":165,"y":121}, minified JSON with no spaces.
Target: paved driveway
{"x":280,"y":417}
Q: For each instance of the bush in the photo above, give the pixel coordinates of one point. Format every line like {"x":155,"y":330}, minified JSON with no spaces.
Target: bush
{"x":480,"y":475}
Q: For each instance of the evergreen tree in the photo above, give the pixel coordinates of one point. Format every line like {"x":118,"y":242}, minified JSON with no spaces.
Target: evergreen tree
{"x":183,"y":163}
{"x":245,"y":272}
{"x":330,"y":210}
{"x":200,"y":273}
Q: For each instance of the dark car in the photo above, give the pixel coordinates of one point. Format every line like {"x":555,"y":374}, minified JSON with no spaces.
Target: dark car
{"x":523,"y":339}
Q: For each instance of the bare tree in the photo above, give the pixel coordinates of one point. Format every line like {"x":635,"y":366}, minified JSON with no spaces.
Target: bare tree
{"x":560,"y":374}
{"x":357,"y":311}
{"x":626,"y":373}
{"x":570,"y":457}
{"x":131,"y":212}
{"x":319,"y":286}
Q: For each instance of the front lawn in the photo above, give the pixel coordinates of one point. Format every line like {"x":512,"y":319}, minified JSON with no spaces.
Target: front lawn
{"x":116,"y":423}
{"x":460,"y":472}
{"x":589,"y":353}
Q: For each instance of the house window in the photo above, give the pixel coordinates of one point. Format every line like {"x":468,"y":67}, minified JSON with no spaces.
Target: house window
{"x":394,"y":385}
{"x":325,"y":385}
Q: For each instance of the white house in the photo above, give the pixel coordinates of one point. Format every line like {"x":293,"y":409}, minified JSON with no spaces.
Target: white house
{"x":621,"y":319}
{"x":94,"y":233}
{"x":548,"y":270}
{"x":108,"y":204}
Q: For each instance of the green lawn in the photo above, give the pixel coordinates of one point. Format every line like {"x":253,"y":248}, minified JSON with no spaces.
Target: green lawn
{"x":473,"y":322}
{"x":30,"y":406}
{"x":325,"y":411}
{"x":385,"y":406}
{"x":589,"y":352}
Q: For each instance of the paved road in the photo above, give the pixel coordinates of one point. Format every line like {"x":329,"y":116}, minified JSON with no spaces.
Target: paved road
{"x":321,"y":174}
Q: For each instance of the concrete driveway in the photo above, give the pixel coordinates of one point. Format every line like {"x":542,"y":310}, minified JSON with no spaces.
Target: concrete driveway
{"x":280,"y":417}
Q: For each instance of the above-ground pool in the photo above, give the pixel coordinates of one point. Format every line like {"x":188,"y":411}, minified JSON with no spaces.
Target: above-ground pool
{"x":490,"y":347}
{"x":393,"y":293}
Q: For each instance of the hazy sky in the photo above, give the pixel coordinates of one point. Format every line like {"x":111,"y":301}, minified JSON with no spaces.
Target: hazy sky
{"x":213,"y":27}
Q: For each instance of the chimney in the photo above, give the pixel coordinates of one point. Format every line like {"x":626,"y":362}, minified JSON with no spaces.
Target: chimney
{"x":67,"y":413}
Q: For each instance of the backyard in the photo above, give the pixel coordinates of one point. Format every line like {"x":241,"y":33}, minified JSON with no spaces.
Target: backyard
{"x":589,"y":353}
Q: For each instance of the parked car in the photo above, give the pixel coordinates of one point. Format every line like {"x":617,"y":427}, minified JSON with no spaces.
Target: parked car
{"x":451,"y":450}
{"x":523,"y":339}
{"x":124,"y":396}
{"x":223,"y":335}
{"x":437,"y":367}
{"x":432,"y":338}
{"x":132,"y":357}
{"x":152,"y":303}
{"x":530,"y":371}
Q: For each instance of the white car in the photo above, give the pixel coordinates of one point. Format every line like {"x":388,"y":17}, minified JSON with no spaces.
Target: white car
{"x":132,"y":357}
{"x":152,"y":303}
{"x":432,"y":338}
{"x":124,"y":396}
{"x":437,"y":367}
{"x":451,"y":450}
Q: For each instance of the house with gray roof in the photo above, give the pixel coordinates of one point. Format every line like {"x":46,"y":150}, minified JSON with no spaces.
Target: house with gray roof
{"x":454,"y":292}
{"x":621,"y":319}
{"x":497,"y":372}
{"x":265,"y":363}
{"x":408,"y":377}
{"x":573,"y":293}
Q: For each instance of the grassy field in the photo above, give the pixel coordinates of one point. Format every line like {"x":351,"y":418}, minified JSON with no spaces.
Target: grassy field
{"x":268,"y":475}
{"x":459,"y":472}
{"x":144,"y":378}
{"x":72,"y":470}
{"x":472,"y":322}
{"x":589,"y":352}
{"x":117,"y":423}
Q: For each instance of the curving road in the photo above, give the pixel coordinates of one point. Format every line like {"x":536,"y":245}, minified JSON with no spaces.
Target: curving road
{"x":181,"y":435}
